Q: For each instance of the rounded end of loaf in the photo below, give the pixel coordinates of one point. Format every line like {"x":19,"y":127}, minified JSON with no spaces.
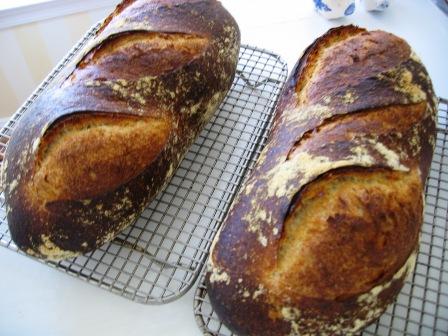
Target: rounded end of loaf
{"x":84,"y":167}
{"x":251,"y":312}
{"x":347,"y":246}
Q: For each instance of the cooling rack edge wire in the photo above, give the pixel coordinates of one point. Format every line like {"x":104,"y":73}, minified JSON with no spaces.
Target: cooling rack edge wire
{"x":422,"y":305}
{"x":160,"y":257}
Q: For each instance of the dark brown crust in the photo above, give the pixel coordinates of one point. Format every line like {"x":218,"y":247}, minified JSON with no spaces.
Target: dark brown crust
{"x":185,"y":90}
{"x":358,"y":112}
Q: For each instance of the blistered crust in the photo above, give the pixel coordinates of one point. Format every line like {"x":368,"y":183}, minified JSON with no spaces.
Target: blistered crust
{"x":324,"y":231}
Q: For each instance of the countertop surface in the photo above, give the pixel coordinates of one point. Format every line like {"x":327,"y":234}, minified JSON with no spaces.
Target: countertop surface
{"x":38,"y":300}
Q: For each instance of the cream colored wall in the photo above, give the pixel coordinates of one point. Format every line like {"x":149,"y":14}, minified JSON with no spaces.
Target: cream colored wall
{"x":29,"y":52}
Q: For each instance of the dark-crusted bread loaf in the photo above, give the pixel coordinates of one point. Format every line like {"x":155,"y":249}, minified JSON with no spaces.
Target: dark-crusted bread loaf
{"x":93,"y":150}
{"x":324,"y":232}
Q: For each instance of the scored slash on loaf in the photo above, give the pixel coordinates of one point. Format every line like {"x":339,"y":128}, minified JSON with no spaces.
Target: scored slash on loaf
{"x":94,"y":149}
{"x":325,"y":230}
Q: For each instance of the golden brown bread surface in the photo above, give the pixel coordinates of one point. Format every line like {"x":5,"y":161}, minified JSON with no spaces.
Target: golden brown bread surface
{"x":107,"y":161}
{"x":108,"y":134}
{"x":351,"y":243}
{"x":325,"y":230}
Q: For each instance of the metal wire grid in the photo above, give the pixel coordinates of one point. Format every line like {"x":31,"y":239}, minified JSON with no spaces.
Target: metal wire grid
{"x":159,"y":258}
{"x":422,"y":305}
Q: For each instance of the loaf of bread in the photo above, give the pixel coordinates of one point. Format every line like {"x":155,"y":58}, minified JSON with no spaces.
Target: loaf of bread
{"x":94,"y":149}
{"x":326,"y":228}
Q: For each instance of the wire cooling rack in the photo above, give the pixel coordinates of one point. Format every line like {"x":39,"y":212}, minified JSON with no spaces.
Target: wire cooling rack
{"x":422,"y":305}
{"x":158,"y":259}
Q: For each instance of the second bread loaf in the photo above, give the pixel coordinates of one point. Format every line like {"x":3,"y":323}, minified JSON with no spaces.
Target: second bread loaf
{"x":326,"y":228}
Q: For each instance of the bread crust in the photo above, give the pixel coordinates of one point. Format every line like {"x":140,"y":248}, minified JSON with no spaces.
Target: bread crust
{"x":325,"y":230}
{"x":106,"y":137}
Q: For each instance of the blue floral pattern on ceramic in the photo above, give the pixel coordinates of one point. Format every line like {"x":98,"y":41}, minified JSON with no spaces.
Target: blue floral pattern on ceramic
{"x":334,"y":9}
{"x":320,"y":5}
{"x":350,"y":9}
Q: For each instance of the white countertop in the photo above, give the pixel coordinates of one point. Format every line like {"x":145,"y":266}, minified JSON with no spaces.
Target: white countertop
{"x":38,"y":300}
